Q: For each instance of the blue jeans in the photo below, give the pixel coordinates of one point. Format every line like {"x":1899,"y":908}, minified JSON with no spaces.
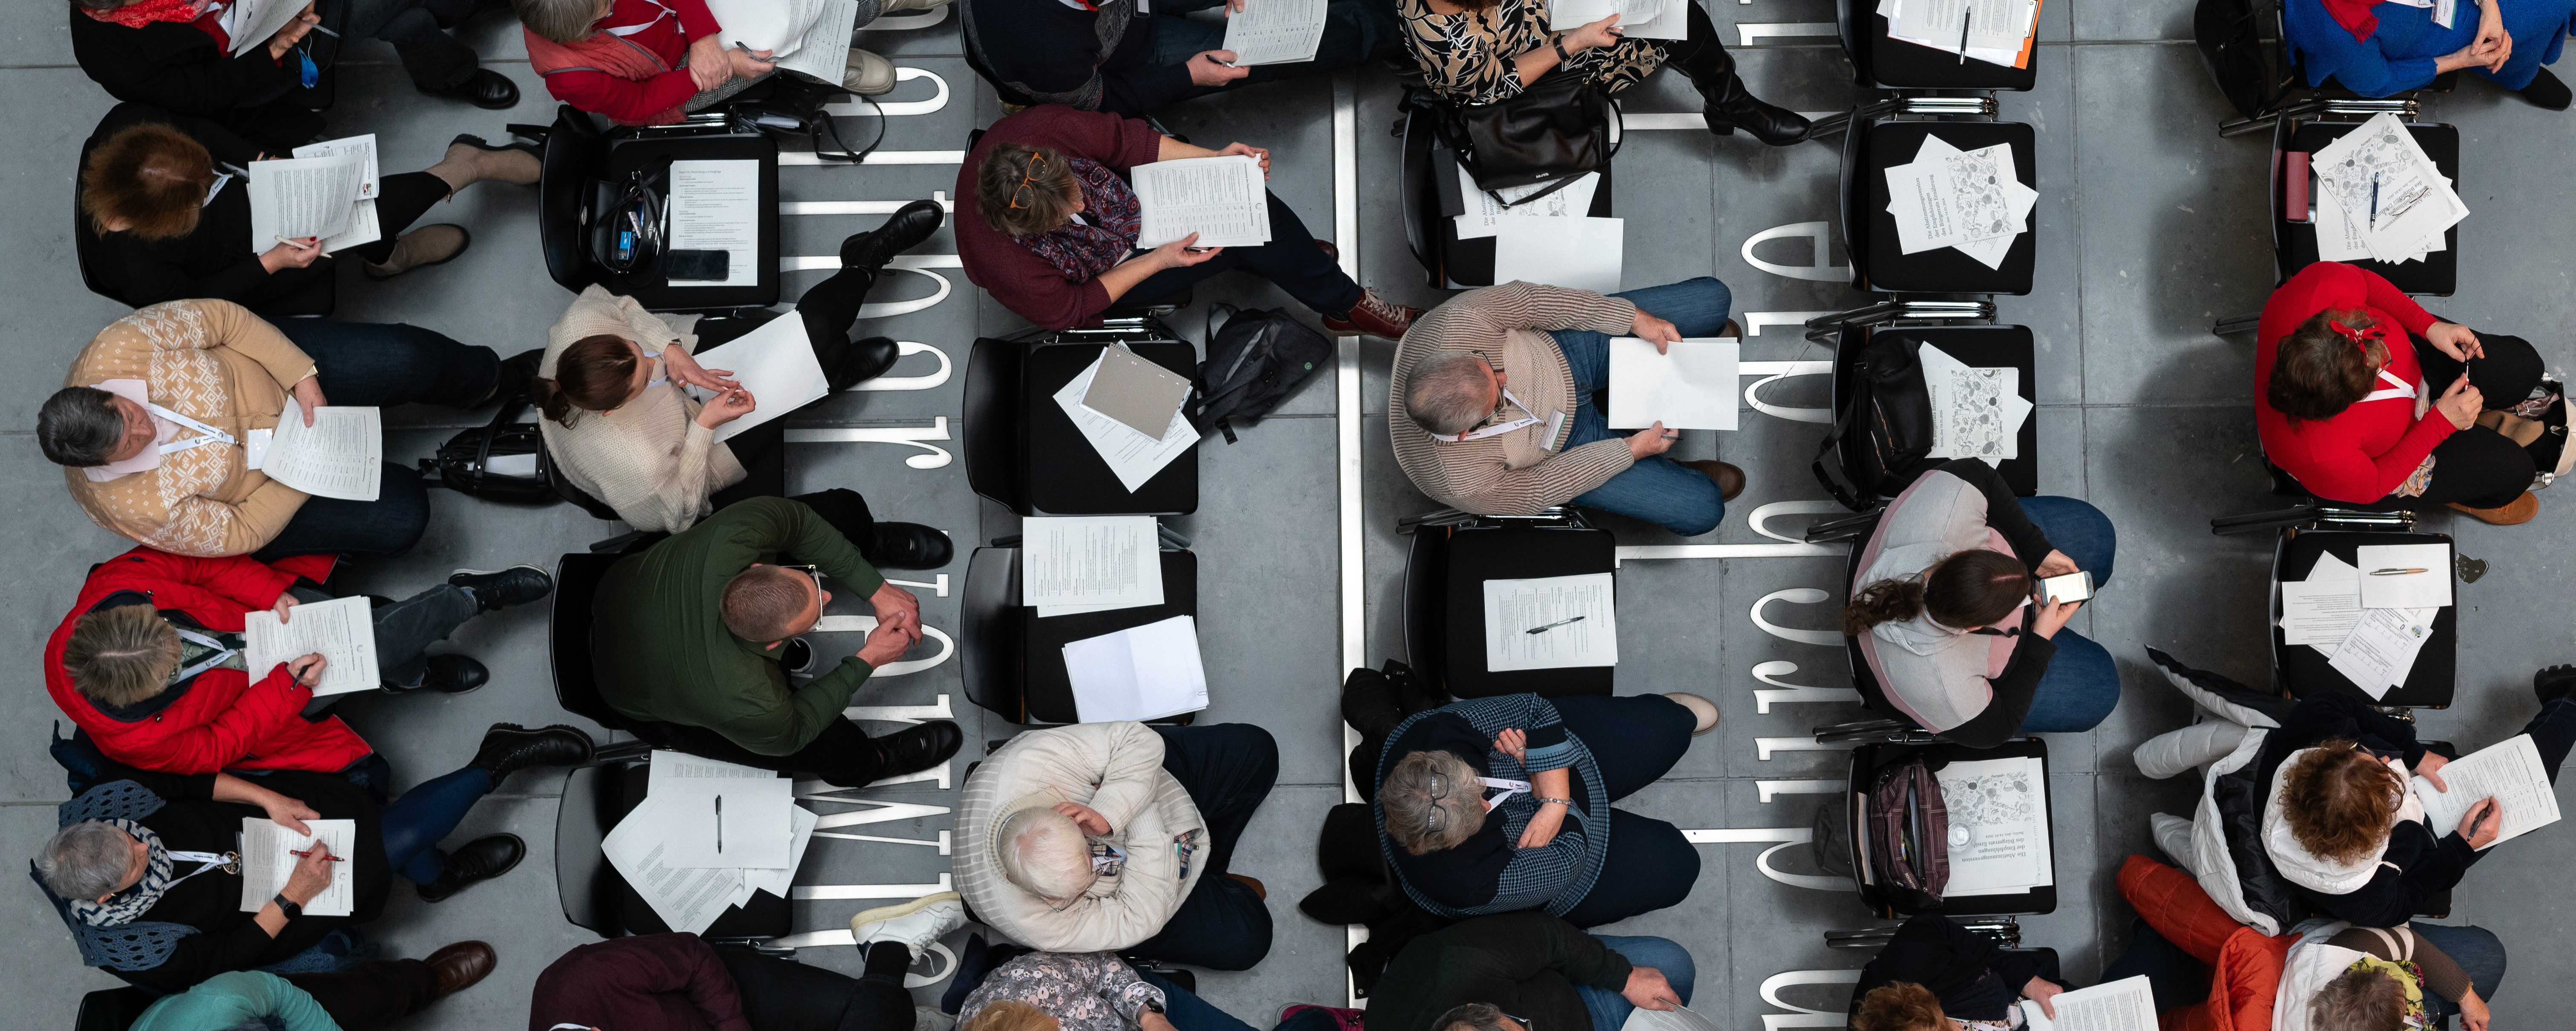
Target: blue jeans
{"x":367,"y":364}
{"x":1354,"y":32}
{"x":1188,"y":1012}
{"x":1227,"y":768}
{"x":2082,"y":683}
{"x":1610,"y":1009}
{"x":414,"y":823}
{"x":1658,"y":489}
{"x":2476,"y":950}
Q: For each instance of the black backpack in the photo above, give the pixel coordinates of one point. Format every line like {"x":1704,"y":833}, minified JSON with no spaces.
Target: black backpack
{"x":464,"y":463}
{"x":1254,"y":360}
{"x":1882,"y":433}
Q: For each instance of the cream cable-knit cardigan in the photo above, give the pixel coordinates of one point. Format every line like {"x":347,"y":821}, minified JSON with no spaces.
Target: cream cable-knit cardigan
{"x":648,"y":459}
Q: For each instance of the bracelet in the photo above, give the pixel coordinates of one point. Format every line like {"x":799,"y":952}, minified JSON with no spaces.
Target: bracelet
{"x":1558,"y":41}
{"x":1566,"y":802}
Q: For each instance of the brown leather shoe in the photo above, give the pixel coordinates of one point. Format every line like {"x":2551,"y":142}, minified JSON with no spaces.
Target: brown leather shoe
{"x":2518,"y":510}
{"x":460,"y":965}
{"x":1374,"y":316}
{"x":1258,"y":891}
{"x":421,"y":248}
{"x":1729,"y":479}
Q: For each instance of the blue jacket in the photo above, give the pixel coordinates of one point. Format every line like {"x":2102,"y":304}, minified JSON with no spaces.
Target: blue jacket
{"x":2399,"y":55}
{"x":1489,"y":872}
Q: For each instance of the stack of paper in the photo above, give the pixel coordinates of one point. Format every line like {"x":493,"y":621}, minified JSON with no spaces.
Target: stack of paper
{"x":775,"y":363}
{"x":2128,"y":1004}
{"x":714,"y":206}
{"x":1071,"y":564}
{"x":1134,"y":455}
{"x":2321,"y":610}
{"x":1555,"y":622}
{"x":1638,"y":19}
{"x":1996,"y":31}
{"x":342,"y":455}
{"x":2379,"y":196}
{"x":1998,"y":826}
{"x":268,"y":858}
{"x":251,"y":23}
{"x":342,"y":631}
{"x":1275,"y":32}
{"x":2508,"y":771}
{"x":1972,"y":201}
{"x":1691,"y":386}
{"x":326,"y":190}
{"x":1140,"y":673}
{"x":2370,"y":622}
{"x":707,"y":835}
{"x":1223,"y":199}
{"x":1976,"y":413}
{"x":1486,"y":209}
{"x":823,"y":52}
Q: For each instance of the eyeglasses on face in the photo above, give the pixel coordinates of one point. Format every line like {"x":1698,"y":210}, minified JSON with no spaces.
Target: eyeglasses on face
{"x":1028,"y":184}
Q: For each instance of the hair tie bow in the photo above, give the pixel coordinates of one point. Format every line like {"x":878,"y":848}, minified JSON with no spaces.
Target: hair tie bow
{"x":2359,"y":337}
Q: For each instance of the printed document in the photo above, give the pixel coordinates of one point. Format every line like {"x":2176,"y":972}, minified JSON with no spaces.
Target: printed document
{"x":1638,"y":19}
{"x":2382,"y":648}
{"x":1090,"y":560}
{"x":731,"y":822}
{"x":299,"y":197}
{"x":1140,"y":673}
{"x":250,"y":23}
{"x":823,"y":52}
{"x":2377,"y":174}
{"x":1552,"y":622}
{"x":2508,"y":771}
{"x":1275,"y":32}
{"x":2322,"y":610}
{"x":1693,"y":387}
{"x":776,"y":363}
{"x":1578,"y":253}
{"x":1973,"y":201}
{"x":1997,"y":30}
{"x":1680,"y":1018}
{"x":1485,"y":211}
{"x":781,"y":880}
{"x":2387,"y":584}
{"x":668,"y":766}
{"x":268,"y":859}
{"x":343,"y":630}
{"x":1134,"y":457}
{"x":689,"y":899}
{"x":714,"y":206}
{"x":2127,"y":1004}
{"x":342,"y":455}
{"x":1998,"y":826}
{"x":363,"y":145}
{"x":1976,"y":413}
{"x":1223,"y":199}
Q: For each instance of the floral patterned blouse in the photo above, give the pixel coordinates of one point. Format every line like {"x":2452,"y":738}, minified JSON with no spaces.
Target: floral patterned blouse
{"x":1083,"y":991}
{"x":1468,"y":57}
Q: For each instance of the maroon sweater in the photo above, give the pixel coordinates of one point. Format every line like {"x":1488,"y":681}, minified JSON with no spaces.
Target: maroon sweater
{"x":649,"y":982}
{"x":1015,"y":275}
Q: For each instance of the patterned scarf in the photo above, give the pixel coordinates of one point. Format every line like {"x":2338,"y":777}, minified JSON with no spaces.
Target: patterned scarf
{"x":1080,"y":251}
{"x":124,"y":907}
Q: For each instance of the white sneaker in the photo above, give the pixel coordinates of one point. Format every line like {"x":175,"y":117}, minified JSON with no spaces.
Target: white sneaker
{"x":867,"y":74}
{"x":916,"y":923}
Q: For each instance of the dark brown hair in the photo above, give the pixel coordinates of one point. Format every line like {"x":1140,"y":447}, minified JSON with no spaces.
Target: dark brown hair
{"x":1037,"y":178}
{"x":151,"y":177}
{"x":2359,"y":999}
{"x":593,"y":374}
{"x":1903,"y":1006}
{"x":2339,"y":800}
{"x":2318,"y":372}
{"x":1971,"y":588}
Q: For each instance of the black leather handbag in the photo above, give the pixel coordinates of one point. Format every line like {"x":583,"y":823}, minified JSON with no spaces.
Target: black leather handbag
{"x":1882,"y":435}
{"x":1555,"y":130}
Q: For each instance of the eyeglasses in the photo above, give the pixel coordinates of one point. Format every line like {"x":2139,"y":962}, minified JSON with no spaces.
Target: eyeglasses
{"x":1027,"y":183}
{"x":813,"y":571}
{"x":1438,"y":816}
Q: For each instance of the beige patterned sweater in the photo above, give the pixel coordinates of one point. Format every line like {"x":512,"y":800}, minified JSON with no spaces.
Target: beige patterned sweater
{"x":648,"y":459}
{"x":1517,"y":473}
{"x":215,"y":362}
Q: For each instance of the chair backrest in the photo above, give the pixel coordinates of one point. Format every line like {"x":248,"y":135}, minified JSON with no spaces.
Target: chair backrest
{"x":1854,"y":196}
{"x":989,"y":429}
{"x":577,"y":576}
{"x":1426,"y":604}
{"x":2230,"y":38}
{"x":575,"y":153}
{"x":993,"y":663}
{"x":111,"y":1009}
{"x":585,"y":884}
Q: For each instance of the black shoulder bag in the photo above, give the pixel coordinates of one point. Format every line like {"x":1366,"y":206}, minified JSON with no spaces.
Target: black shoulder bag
{"x":1553,"y":131}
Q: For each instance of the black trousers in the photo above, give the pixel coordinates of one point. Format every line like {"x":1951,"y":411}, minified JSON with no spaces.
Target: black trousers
{"x":400,"y":201}
{"x":785,"y":995}
{"x":829,"y":309}
{"x":1227,"y":768}
{"x":1702,"y":56}
{"x":1290,"y":261}
{"x":372,"y":994}
{"x":2479,"y":467}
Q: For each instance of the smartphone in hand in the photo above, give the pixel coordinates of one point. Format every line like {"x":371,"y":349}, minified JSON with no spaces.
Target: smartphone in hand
{"x":2075,"y":586}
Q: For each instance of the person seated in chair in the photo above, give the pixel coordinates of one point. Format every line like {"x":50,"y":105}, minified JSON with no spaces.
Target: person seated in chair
{"x":162,"y":222}
{"x":678,"y":982}
{"x":151,"y":660}
{"x":1539,"y":969}
{"x":2343,"y":821}
{"x":1550,"y":841}
{"x":1116,"y":837}
{"x":624,"y":428}
{"x":365,"y":997}
{"x":2410,"y":975}
{"x":1131,"y":57}
{"x":1934,"y":972}
{"x":1499,"y":384}
{"x":644,"y":62}
{"x":696,"y":636}
{"x":139,"y":870}
{"x":1946,"y":612}
{"x":176,"y":55}
{"x":2342,"y":362}
{"x":2376,"y":49}
{"x":1098,"y":991}
{"x":1054,"y":237}
{"x":1488,"y":51}
{"x":152,"y":423}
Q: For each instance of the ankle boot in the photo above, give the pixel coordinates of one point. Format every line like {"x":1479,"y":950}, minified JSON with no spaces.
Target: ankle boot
{"x":421,"y":248}
{"x":1731,"y":107}
{"x":469,"y":160}
{"x":509,"y":748}
{"x":865,"y":360}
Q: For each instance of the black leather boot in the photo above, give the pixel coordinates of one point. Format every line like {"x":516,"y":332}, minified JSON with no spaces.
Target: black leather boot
{"x":478,"y":860}
{"x":486,"y":89}
{"x":908,"y":546}
{"x":455,"y":674}
{"x":509,"y":748}
{"x":2547,"y":92}
{"x":865,"y":360}
{"x":902,"y":231}
{"x":1729,"y":106}
{"x":501,"y":588}
{"x":921,"y":747}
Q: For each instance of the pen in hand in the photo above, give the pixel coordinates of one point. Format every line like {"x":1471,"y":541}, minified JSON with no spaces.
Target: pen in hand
{"x":1552,"y":626}
{"x":301,"y":854}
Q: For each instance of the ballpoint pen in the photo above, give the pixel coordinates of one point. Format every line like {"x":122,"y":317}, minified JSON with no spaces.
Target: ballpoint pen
{"x":2399,"y":572}
{"x":1966,"y":19}
{"x":2374,"y":202}
{"x":300,"y":855}
{"x":719,"y":824}
{"x":1552,"y":626}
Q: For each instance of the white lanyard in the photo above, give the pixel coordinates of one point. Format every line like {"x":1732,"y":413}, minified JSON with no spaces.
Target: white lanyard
{"x":221,"y":178}
{"x":221,"y":654}
{"x":629,"y":30}
{"x":1510,"y":788}
{"x":2396,"y":388}
{"x":212,"y":861}
{"x":211,"y":435}
{"x":1525,"y":421}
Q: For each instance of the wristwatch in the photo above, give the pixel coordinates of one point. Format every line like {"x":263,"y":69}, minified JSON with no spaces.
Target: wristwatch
{"x":288,"y":907}
{"x":1558,"y":41}
{"x":1155,"y":1005}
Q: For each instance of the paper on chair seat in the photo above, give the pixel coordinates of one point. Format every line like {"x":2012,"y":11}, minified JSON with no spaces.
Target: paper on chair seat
{"x":1133,"y":457}
{"x":688,"y":899}
{"x":2384,"y":586}
{"x":732,"y":822}
{"x":342,"y":630}
{"x":714,"y":206}
{"x":1552,"y":622}
{"x":1578,"y":253}
{"x":1114,"y":561}
{"x":2382,"y":647}
{"x":776,"y":363}
{"x":1999,"y":826}
{"x":1973,"y":201}
{"x":1976,"y":412}
{"x":1692,"y":388}
{"x":1140,"y":673}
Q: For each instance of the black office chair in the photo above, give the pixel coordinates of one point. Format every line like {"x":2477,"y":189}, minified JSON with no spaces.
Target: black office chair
{"x":577,"y":151}
{"x":2002,"y":906}
{"x":112,"y":1009}
{"x":1879,"y":62}
{"x":1445,"y":569}
{"x":1024,"y":453}
{"x":1012,"y":662}
{"x":595,"y":896}
{"x":2244,"y":46}
{"x":1878,"y":139}
{"x":2303,"y":671}
{"x":1428,"y":187}
{"x":577,"y":576}
{"x":1905,"y":323}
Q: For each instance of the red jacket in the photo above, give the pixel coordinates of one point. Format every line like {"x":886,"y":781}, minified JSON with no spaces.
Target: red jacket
{"x":1016,"y":275}
{"x":2246,"y":965}
{"x":225,"y":720}
{"x":629,"y":99}
{"x":2366,"y":451}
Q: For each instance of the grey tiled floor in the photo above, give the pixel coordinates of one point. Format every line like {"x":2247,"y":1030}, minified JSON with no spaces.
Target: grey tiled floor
{"x":2148,"y":228}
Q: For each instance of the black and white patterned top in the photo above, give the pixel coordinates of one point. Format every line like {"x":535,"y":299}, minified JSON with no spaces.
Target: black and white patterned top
{"x":1083,"y":991}
{"x":1468,"y":57}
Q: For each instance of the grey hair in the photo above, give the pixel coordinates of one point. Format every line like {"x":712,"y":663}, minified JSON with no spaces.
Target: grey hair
{"x":85,"y":860}
{"x":563,"y":21}
{"x":79,"y":427}
{"x":1044,"y":852}
{"x":1446,"y":393}
{"x":1472,"y":1016}
{"x":1406,"y":798}
{"x":2359,"y":1000}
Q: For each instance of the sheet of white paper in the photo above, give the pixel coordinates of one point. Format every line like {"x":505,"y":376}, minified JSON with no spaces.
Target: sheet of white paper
{"x":783,"y":879}
{"x":1998,"y":825}
{"x":823,"y":52}
{"x":689,"y":899}
{"x":1692,"y":388}
{"x":776,"y":363}
{"x":668,"y":766}
{"x":267,"y":861}
{"x":1223,"y":199}
{"x":363,"y":229}
{"x":2319,"y":614}
{"x":1992,"y":251}
{"x":2330,"y":568}
{"x":1577,"y":253}
{"x":343,"y":630}
{"x":2382,"y":587}
{"x":1090,"y":560}
{"x":1275,"y":32}
{"x":342,"y":455}
{"x":2379,"y":167}
{"x":1681,"y":1018}
{"x":714,"y":206}
{"x":363,"y":145}
{"x":300,"y":197}
{"x":1133,"y":457}
{"x":1140,"y":673}
{"x":1993,"y":26}
{"x":1485,"y":211}
{"x":1638,"y":19}
{"x":1976,"y":412}
{"x":1947,"y":197}
{"x":251,"y":23}
{"x":727,"y":821}
{"x":777,"y":26}
{"x":2382,"y":648}
{"x":1673,"y":22}
{"x":2508,"y":771}
{"x":512,"y":465}
{"x":2128,"y":1004}
{"x":1580,"y":613}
